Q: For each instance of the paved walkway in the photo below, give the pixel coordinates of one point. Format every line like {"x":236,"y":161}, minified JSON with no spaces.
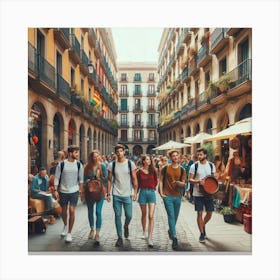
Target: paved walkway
{"x":221,"y":236}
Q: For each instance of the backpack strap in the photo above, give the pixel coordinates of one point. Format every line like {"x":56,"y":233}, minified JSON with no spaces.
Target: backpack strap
{"x":61,"y":169}
{"x":113,"y":170}
{"x":164,"y":170}
{"x":130,"y":169}
{"x":195,"y":169}
{"x":211,"y":166}
{"x":79,"y":166}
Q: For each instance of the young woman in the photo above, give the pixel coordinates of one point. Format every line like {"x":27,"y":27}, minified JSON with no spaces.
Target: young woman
{"x":95,"y":169}
{"x":147,"y":182}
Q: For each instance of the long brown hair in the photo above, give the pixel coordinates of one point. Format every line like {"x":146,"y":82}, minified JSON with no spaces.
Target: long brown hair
{"x":90,"y":163}
{"x":151,"y":168}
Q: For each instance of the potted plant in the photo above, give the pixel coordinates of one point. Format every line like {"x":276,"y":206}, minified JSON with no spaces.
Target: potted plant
{"x":229,"y":214}
{"x":224,"y":82}
{"x":211,"y":89}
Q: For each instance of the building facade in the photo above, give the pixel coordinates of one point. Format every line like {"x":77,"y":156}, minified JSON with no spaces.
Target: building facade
{"x":138,"y":116}
{"x":205,"y":82}
{"x":68,"y":102}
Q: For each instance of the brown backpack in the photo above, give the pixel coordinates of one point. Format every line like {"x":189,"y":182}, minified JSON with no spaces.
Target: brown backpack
{"x":94,"y":190}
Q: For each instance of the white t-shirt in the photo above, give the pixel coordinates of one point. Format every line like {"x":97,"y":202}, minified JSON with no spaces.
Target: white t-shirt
{"x":69,"y":178}
{"x":122,"y":184}
{"x":203,"y":170}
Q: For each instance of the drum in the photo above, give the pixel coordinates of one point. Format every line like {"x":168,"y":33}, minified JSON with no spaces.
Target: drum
{"x":211,"y":185}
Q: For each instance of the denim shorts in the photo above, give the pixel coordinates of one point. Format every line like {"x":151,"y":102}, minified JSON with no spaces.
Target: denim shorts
{"x":147,"y":196}
{"x":201,"y":201}
{"x":72,"y":198}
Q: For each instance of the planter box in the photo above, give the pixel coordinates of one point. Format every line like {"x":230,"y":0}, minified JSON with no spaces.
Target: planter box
{"x":229,"y":218}
{"x":247,"y":219}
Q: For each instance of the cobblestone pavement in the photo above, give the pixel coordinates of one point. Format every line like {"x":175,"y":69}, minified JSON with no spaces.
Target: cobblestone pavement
{"x":221,"y":236}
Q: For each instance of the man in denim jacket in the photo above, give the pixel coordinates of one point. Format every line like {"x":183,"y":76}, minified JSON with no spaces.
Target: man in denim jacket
{"x":39,"y":188}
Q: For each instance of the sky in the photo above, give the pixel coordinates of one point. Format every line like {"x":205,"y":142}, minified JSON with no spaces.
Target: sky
{"x":137,"y":44}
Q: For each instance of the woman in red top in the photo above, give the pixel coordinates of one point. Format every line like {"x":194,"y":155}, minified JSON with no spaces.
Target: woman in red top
{"x":147,"y":182}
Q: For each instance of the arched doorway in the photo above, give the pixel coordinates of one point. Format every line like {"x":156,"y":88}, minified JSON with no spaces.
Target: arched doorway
{"x":209,"y":126}
{"x":246,"y":112}
{"x":71,"y":132}
{"x":137,"y":150}
{"x":150,"y":149}
{"x":81,"y":142}
{"x":37,"y":137}
{"x":89,"y":141}
{"x":57,"y":134}
{"x":223,"y":124}
{"x":94,"y":140}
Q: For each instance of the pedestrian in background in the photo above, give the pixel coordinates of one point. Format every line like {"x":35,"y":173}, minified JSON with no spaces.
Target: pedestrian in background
{"x":39,"y":188}
{"x":69,"y":178}
{"x":123,"y":173}
{"x":147,"y":182}
{"x":94,"y":169}
{"x":172,"y":178}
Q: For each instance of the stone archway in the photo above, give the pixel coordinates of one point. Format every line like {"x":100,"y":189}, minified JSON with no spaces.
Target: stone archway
{"x":82,"y":142}
{"x":71,"y":132}
{"x":149,"y":150}
{"x":37,"y":127}
{"x":58,"y":136}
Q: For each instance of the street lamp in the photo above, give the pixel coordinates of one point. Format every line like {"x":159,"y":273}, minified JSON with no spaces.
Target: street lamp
{"x":90,"y":67}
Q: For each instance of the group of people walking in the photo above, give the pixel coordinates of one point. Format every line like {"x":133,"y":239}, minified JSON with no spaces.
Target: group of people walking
{"x":122,"y":183}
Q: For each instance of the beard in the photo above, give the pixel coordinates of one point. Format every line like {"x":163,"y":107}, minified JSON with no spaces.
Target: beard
{"x":202,"y":159}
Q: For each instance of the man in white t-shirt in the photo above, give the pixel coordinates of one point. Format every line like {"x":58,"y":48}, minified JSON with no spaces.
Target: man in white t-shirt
{"x":204,"y":168}
{"x":69,"y":179}
{"x":125,"y":187}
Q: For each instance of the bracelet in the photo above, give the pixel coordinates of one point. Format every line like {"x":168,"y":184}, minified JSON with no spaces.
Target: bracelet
{"x":108,"y":194}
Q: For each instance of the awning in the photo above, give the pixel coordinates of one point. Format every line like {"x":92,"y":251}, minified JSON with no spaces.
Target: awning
{"x":243,"y":127}
{"x":171,"y":145}
{"x":199,"y":138}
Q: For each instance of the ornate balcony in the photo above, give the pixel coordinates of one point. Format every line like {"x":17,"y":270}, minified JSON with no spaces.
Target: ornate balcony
{"x":219,"y":39}
{"x":63,"y":89}
{"x":123,"y":110}
{"x":62,"y":37}
{"x":151,"y":109}
{"x":124,"y":125}
{"x":203,"y":56}
{"x":137,"y":124}
{"x":151,"y":125}
{"x":137,"y":93}
{"x":151,"y":93}
{"x":137,"y":109}
{"x":124,"y":94}
{"x":92,"y":37}
{"x":75,"y":49}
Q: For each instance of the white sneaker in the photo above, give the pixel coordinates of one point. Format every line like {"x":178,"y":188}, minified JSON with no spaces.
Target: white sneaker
{"x":64,"y":231}
{"x":68,"y":237}
{"x":143,"y":235}
{"x":150,"y":243}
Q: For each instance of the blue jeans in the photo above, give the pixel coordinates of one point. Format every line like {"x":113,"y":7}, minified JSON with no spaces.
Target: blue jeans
{"x":46,"y":197}
{"x":172,"y":206}
{"x":98,"y":210}
{"x":118,"y":202}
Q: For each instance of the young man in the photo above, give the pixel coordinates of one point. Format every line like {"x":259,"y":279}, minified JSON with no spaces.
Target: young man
{"x":172,"y":179}
{"x":39,"y":188}
{"x":123,"y":183}
{"x":200,"y":201}
{"x":70,"y":182}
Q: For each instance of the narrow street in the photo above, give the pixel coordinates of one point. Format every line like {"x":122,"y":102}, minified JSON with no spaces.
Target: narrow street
{"x":221,"y":236}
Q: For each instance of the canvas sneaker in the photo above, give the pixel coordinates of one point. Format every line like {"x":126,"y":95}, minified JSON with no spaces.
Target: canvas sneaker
{"x":64,"y":231}
{"x":119,"y":242}
{"x":175,"y":243}
{"x":68,"y":237}
{"x":126,"y":232}
{"x":143,"y":235}
{"x":150,"y":243}
{"x":202,"y":238}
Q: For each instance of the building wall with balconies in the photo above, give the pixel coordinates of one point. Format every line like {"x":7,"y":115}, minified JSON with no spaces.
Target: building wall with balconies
{"x":193,"y":65}
{"x":137,"y":106}
{"x":67,"y":104}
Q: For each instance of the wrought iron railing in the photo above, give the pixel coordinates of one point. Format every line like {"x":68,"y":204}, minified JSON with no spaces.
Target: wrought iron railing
{"x":216,"y":36}
{"x":46,"y":71}
{"x":63,"y":88}
{"x":84,"y":57}
{"x":32,"y":61}
{"x":202,"y":53}
{"x":75,"y":45}
{"x":66,"y":32}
